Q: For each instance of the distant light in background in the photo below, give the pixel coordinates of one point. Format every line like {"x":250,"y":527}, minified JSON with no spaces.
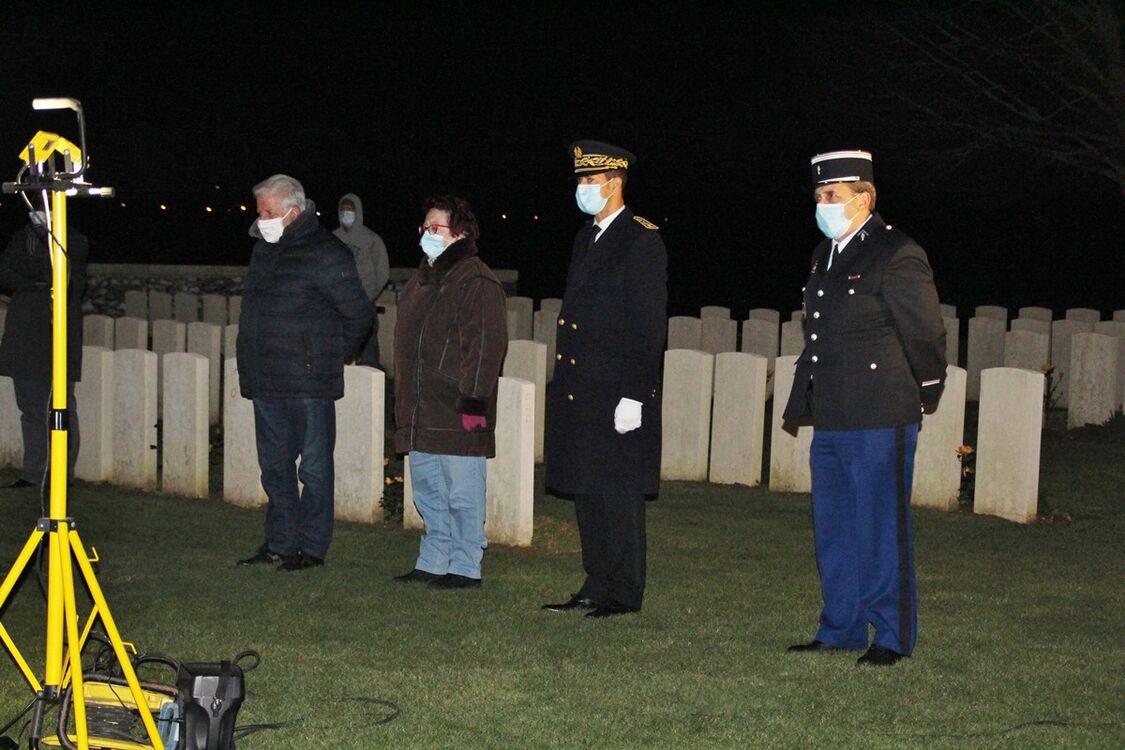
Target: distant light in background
{"x":535,"y":217}
{"x":242,"y":208}
{"x":216,"y":187}
{"x":503,"y":216}
{"x":207,"y":209}
{"x":123,"y":204}
{"x":163,"y":207}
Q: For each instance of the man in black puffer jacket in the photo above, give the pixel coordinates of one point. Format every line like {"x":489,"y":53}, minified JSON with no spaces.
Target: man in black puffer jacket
{"x":304,"y":313}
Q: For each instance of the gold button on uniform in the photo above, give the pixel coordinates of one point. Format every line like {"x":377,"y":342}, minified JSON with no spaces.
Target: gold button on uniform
{"x":558,"y":356}
{"x":572,"y":361}
{"x":574,"y":326}
{"x":570,"y":397}
{"x":562,"y":321}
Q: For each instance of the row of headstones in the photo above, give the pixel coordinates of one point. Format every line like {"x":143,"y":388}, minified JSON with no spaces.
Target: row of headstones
{"x":117,"y":406}
{"x":186,"y":307}
{"x":714,"y":413}
{"x":1054,"y":347}
{"x":214,"y":342}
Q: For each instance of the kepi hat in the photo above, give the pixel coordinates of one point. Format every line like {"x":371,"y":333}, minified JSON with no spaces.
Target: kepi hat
{"x":591,"y":157}
{"x":842,"y":166}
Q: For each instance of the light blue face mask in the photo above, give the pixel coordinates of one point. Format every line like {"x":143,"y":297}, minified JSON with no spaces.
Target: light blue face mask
{"x":432,"y":245}
{"x":589,"y":198}
{"x":830,"y":219}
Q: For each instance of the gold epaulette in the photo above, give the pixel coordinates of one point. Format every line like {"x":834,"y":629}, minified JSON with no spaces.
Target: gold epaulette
{"x":645,"y":222}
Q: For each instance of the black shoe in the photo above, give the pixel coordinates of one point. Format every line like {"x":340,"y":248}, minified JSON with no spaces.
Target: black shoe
{"x":263,"y":555}
{"x":813,"y":646}
{"x":421,"y":576}
{"x":300,"y":561}
{"x":454,"y":581}
{"x":575,"y":602}
{"x":19,"y":484}
{"x":879,"y":656}
{"x":611,"y":609}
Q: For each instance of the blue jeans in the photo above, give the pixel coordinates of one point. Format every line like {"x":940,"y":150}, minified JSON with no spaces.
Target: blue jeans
{"x":288,"y":428}
{"x":449,"y":495}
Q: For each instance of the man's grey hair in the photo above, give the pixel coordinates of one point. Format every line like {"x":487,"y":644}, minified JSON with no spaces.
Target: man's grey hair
{"x":291,"y":191}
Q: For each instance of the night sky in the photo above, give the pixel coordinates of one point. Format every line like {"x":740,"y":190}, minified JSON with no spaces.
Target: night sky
{"x":723,"y":105}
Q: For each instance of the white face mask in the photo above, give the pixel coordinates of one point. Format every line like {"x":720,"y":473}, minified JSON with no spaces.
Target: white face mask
{"x":347,"y":218}
{"x":589,"y":198}
{"x":272,"y":229}
{"x":830,"y":219}
{"x":432,"y":245}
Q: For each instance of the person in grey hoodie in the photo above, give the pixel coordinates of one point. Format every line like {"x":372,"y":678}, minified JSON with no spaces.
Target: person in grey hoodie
{"x":371,"y":263}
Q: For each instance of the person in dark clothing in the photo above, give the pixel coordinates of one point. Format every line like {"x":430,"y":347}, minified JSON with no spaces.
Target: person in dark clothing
{"x":304,"y":313}
{"x":874,"y":359}
{"x":25,"y":352}
{"x":604,"y":421}
{"x":450,"y":341}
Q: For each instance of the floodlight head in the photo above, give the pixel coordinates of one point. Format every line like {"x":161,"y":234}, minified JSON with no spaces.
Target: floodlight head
{"x":56,"y":102}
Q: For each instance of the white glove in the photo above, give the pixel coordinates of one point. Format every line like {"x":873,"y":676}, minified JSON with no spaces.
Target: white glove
{"x":627,"y":415}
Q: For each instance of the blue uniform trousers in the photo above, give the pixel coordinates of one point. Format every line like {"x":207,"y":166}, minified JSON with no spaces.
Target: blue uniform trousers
{"x":864,"y":546}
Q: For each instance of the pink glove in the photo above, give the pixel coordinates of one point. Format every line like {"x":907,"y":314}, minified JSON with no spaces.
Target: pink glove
{"x":472,"y":422}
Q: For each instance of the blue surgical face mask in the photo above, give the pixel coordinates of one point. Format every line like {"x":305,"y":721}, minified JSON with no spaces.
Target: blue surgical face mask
{"x":830,"y":218}
{"x":432,"y":245}
{"x":589,"y":198}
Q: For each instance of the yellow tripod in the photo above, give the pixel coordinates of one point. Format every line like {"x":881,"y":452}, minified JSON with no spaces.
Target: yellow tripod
{"x":64,"y":547}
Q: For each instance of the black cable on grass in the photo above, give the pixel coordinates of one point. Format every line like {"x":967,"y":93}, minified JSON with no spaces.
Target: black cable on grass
{"x":17,"y":717}
{"x":394,"y":709}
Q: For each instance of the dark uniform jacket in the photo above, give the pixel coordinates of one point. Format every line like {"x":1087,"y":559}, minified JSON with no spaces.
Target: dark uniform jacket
{"x":874,"y":338}
{"x":304,"y":312}
{"x":610,"y":344}
{"x":451,"y":336}
{"x":25,"y":274}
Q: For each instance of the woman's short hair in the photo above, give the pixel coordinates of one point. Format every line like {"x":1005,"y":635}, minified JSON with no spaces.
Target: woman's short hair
{"x":461,"y":218}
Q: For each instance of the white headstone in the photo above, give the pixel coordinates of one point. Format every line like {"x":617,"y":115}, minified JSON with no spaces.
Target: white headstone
{"x":1008,"y":443}
{"x":992,"y":311}
{"x":1037,"y":313}
{"x":948,"y":311}
{"x":1083,"y":313}
{"x":1119,"y":315}
{"x":797,"y":316}
{"x":952,"y":341}
{"x":387,"y":297}
{"x":93,"y":395}
{"x":234,"y":309}
{"x":762,"y":313}
{"x":97,"y":330}
{"x":546,"y":333}
{"x":718,"y":335}
{"x":159,"y":305}
{"x":1027,"y":350}
{"x":686,"y":418}
{"x":207,"y":340}
{"x":937,"y":472}
{"x":130,"y":333}
{"x":168,"y":336}
{"x":527,"y":360}
{"x":1093,"y":379}
{"x":387,"y":320}
{"x":360,"y":419}
{"x":230,"y":340}
{"x":738,"y":419}
{"x":553,"y":304}
{"x":789,"y":455}
{"x":184,"y":469}
{"x":1061,"y":333}
{"x":514,"y":324}
{"x":792,"y":338}
{"x":242,"y":479}
{"x":714,"y":311}
{"x":134,"y":418}
{"x":1116,"y":328}
{"x":1035,"y":325}
{"x":215,"y":309}
{"x":523,"y":307}
{"x":684,"y":332}
{"x":986,"y":349}
{"x":11,"y":433}
{"x":761,"y":337}
{"x":510,"y":487}
{"x":136,"y":304}
{"x":185,"y":307}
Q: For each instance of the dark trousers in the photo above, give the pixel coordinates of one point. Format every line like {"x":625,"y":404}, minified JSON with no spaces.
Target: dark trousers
{"x":864,"y":547}
{"x":288,"y":428}
{"x":33,"y":397}
{"x":369,"y":356}
{"x":612,"y":531}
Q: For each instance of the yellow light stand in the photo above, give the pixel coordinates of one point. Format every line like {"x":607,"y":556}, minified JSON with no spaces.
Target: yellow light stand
{"x":63,"y":667}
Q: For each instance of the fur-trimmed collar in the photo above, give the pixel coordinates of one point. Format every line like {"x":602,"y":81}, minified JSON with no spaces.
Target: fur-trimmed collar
{"x":458,"y":251}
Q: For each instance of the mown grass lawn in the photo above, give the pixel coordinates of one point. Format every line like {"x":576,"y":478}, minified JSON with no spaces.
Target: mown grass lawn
{"x":1022,"y":628}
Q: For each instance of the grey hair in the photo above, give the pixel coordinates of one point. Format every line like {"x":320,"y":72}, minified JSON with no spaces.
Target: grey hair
{"x":291,"y":191}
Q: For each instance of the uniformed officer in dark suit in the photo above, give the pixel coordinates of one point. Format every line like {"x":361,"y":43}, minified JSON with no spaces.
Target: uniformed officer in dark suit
{"x":874,"y":357}
{"x":603,"y":433}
